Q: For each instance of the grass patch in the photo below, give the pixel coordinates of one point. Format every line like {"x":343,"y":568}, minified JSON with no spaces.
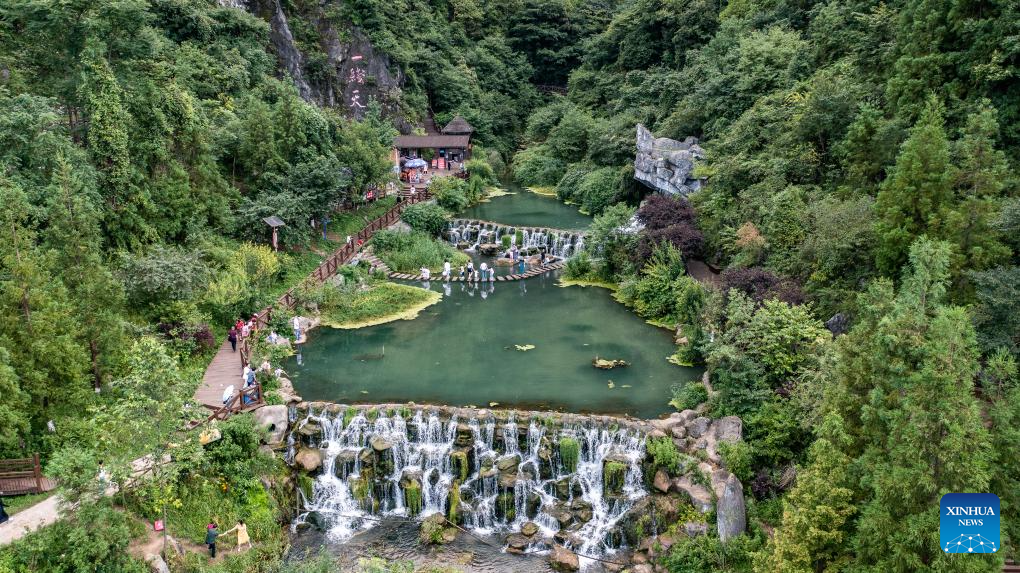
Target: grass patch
{"x":18,"y":503}
{"x":408,"y":252}
{"x":547,"y":191}
{"x":588,"y":283}
{"x":380,"y":303}
{"x":203,"y":499}
{"x":350,"y":222}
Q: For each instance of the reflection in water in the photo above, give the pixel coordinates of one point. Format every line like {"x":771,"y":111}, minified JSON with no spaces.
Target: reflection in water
{"x":463,"y":351}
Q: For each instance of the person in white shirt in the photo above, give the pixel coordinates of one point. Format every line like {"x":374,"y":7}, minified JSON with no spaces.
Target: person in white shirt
{"x":296,"y":322}
{"x":426,"y":274}
{"x":485,"y":271}
{"x":446,"y":270}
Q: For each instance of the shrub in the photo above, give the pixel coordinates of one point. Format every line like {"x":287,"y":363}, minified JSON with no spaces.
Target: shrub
{"x":481,"y":169}
{"x":613,"y":476}
{"x":569,"y":187}
{"x":736,"y":457}
{"x":570,"y":453}
{"x":164,"y":274}
{"x":412,"y":498}
{"x":659,"y":212}
{"x":408,"y":252}
{"x":688,"y":395}
{"x":425,"y":217}
{"x":684,"y":236}
{"x":664,"y":454}
{"x":761,"y":284}
{"x":599,"y":189}
{"x":578,"y":266}
{"x":536,"y":166}
{"x":450,"y":193}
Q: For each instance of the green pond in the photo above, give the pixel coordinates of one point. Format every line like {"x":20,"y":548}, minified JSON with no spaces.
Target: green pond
{"x":524,"y":208}
{"x":461,"y":351}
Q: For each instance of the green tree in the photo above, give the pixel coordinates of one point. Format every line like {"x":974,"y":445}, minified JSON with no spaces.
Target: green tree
{"x":75,"y":239}
{"x":904,"y":384}
{"x":917,"y":196}
{"x":812,"y":535}
{"x":981,"y":176}
{"x":14,"y":409}
{"x":35,"y":318}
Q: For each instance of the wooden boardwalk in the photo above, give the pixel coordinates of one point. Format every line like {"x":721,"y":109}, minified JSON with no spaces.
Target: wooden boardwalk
{"x":225,"y":368}
{"x":223,"y":371}
{"x":20,"y":486}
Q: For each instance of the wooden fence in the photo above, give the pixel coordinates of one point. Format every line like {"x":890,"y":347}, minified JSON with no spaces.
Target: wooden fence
{"x":249,"y":396}
{"x":328,"y":267}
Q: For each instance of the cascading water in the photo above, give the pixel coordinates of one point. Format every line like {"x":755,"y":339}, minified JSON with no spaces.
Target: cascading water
{"x":491,"y":476}
{"x":558,"y":243}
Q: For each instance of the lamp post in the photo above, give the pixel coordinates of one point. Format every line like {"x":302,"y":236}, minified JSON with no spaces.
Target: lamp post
{"x":275,"y":223}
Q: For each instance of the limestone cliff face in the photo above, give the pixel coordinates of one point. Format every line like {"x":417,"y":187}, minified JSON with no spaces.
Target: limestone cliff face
{"x":667,"y":165}
{"x":342,"y":69}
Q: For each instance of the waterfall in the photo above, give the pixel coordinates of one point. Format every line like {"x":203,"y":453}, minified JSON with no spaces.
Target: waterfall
{"x":491,"y":476}
{"x":472,"y":233}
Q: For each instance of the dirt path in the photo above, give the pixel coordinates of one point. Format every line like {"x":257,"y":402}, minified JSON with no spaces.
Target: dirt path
{"x":30,"y":519}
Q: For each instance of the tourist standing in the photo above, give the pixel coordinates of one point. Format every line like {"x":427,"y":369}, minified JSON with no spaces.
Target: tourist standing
{"x":211,"y":533}
{"x":232,"y":337}
{"x":485,"y":271}
{"x":446,"y":271}
{"x":492,"y":274}
{"x":349,"y":239}
{"x":296,"y":323}
{"x":462,"y":272}
{"x":470,"y":269}
{"x":242,"y":534}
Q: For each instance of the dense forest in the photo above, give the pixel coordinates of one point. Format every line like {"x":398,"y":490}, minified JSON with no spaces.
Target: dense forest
{"x":860,"y":198}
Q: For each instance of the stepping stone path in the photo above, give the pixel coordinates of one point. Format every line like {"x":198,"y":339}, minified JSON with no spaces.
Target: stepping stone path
{"x":534,"y":272}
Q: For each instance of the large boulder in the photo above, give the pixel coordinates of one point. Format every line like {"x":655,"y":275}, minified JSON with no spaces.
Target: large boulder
{"x":517,"y":543}
{"x":309,"y":459}
{"x":563,"y":559}
{"x":700,"y":496}
{"x":529,"y":528}
{"x":661,"y":480}
{"x":489,"y":249}
{"x":698,"y":427}
{"x":723,"y":430}
{"x":731,"y":516}
{"x":273,"y":419}
{"x":379,"y":443}
{"x":156,"y":563}
{"x":509,"y":463}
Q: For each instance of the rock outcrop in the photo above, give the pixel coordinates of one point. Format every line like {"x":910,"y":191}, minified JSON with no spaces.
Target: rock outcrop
{"x":667,"y":165}
{"x":274,"y":420}
{"x":563,"y":559}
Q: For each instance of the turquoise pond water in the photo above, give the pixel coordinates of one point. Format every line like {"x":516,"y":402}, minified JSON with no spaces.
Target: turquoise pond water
{"x":528,"y":209}
{"x":461,"y":351}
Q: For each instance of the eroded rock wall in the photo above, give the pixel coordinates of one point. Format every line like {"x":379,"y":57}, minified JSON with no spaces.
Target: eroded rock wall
{"x":667,"y":165}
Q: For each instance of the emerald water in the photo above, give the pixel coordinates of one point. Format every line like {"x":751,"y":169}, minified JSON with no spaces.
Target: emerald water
{"x":524,"y":208}
{"x":461,"y":351}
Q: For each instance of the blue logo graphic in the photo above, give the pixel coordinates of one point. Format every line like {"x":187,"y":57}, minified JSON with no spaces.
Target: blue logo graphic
{"x":969,"y":523}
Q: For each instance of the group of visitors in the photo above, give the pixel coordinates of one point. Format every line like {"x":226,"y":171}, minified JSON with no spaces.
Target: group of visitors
{"x":517,"y":258}
{"x":483,"y":273}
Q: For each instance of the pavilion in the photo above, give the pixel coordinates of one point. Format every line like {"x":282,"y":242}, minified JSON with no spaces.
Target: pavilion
{"x":453,"y":143}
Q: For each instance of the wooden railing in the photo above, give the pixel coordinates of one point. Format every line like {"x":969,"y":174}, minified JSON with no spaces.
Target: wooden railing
{"x":21,"y":476}
{"x":239,"y":402}
{"x":328,"y":267}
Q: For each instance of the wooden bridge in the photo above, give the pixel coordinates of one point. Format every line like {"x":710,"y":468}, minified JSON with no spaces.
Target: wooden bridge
{"x":225,"y":368}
